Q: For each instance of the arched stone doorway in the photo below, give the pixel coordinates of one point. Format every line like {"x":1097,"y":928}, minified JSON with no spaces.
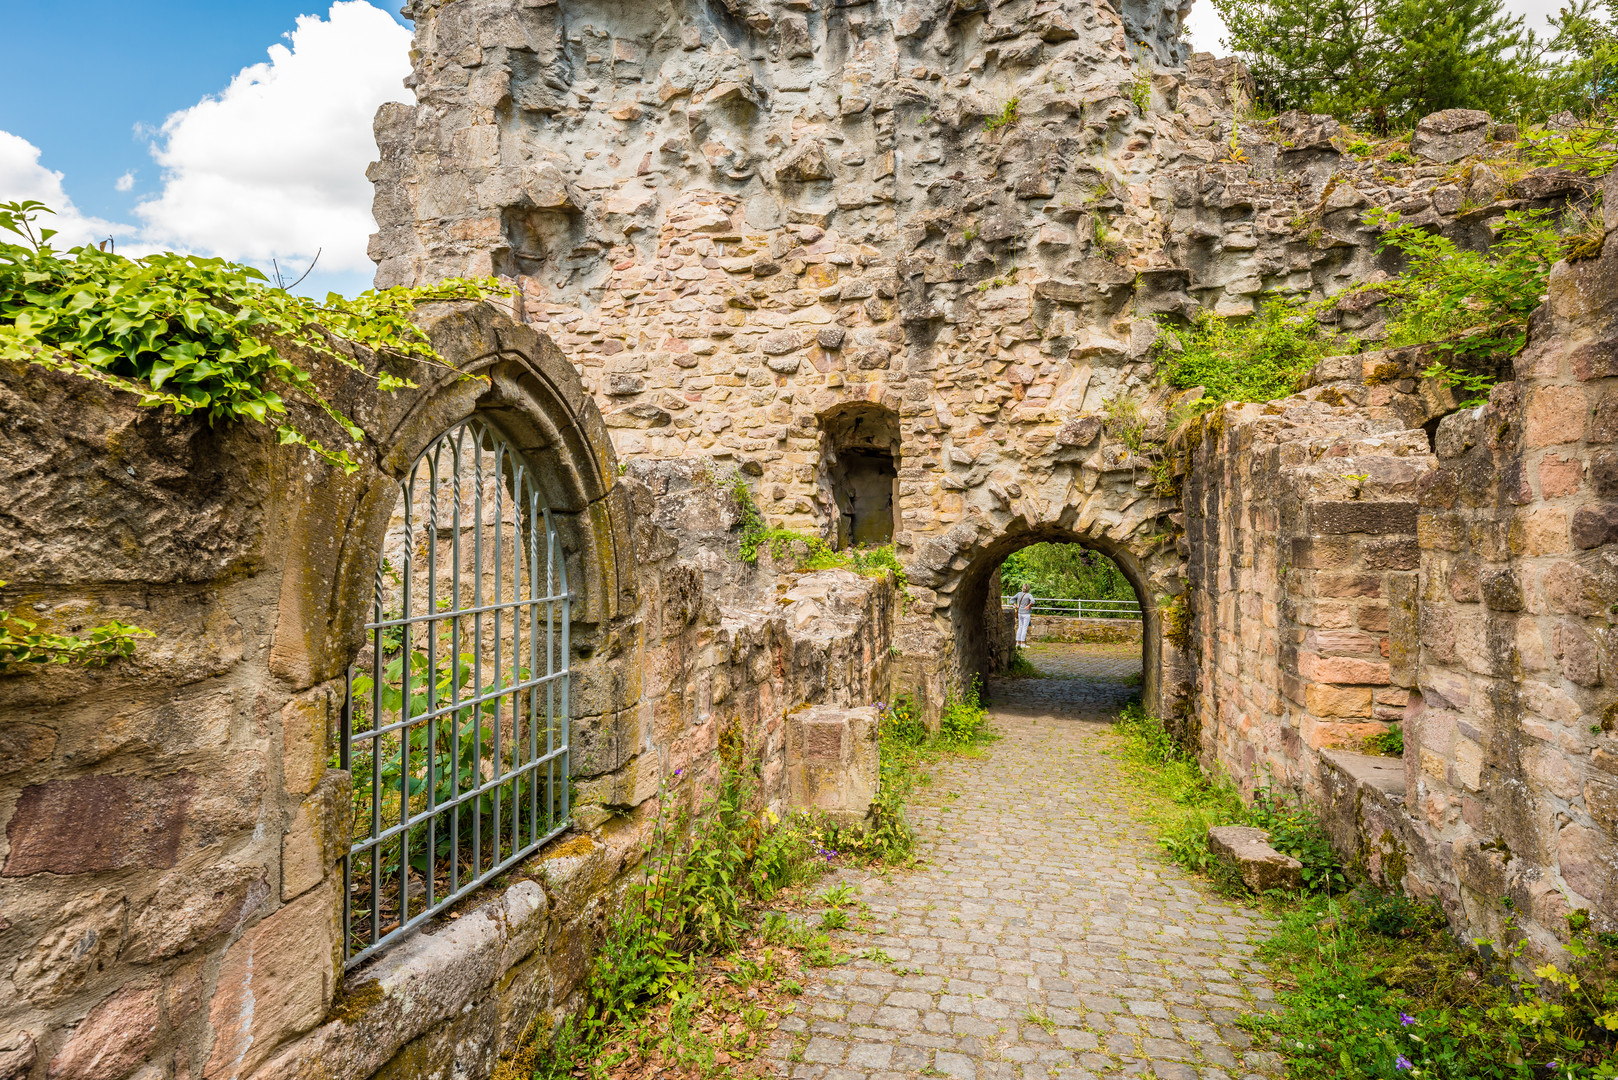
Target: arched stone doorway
{"x":971,"y":611}
{"x":943,"y":645}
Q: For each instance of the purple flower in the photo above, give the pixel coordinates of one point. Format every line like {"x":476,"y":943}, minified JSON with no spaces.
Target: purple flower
{"x":1406,"y":1019}
{"x":677,"y":773}
{"x":1402,"y":1062}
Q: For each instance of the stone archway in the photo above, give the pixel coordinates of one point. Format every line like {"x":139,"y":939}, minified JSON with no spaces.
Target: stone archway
{"x":1108,"y":505}
{"x":970,"y":612}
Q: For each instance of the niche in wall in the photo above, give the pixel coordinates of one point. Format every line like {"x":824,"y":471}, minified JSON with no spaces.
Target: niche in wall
{"x":860,"y":472}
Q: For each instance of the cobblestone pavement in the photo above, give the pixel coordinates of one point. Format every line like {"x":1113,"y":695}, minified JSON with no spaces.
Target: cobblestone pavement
{"x":1081,"y":681}
{"x":1042,"y":938}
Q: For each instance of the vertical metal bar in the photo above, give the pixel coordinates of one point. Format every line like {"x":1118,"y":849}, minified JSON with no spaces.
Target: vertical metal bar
{"x":499,"y":598}
{"x":526,"y":556}
{"x":432,"y":668}
{"x":550,"y":669}
{"x":567,"y":676}
{"x":477,"y":647}
{"x":458,"y":454}
{"x":345,"y":760}
{"x":405,"y":654}
{"x":378,"y":669}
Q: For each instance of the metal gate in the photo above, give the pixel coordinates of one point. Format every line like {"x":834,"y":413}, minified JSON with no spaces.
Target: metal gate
{"x":455,"y":725}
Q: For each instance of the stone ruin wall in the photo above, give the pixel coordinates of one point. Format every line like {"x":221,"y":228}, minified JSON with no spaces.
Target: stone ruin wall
{"x":1351,"y":570}
{"x":169,"y":876}
{"x":738,"y":223}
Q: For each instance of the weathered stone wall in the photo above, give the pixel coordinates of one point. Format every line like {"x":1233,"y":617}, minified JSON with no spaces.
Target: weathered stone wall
{"x":1511,"y":745}
{"x":1301,"y":518}
{"x":170,"y":905}
{"x":1349,"y":570}
{"x":744,"y":221}
{"x":1073,"y":629}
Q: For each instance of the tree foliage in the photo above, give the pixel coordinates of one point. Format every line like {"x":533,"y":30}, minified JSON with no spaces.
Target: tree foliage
{"x":1064,"y":572}
{"x":1387,"y":63}
{"x":196,"y":334}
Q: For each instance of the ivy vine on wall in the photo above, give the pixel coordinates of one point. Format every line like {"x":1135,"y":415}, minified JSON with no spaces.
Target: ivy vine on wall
{"x":197,"y":334}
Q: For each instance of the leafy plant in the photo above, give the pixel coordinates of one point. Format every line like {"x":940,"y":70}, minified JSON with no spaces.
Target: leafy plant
{"x":1258,"y":359}
{"x":1006,"y":117}
{"x":1390,"y":743}
{"x":1373,"y":985}
{"x":23,"y":642}
{"x":1140,"y":93}
{"x":199,"y":335}
{"x":1469,"y":305}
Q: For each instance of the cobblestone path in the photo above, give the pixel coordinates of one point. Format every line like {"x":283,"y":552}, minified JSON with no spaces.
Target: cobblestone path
{"x":1082,"y":681}
{"x":1042,"y":936}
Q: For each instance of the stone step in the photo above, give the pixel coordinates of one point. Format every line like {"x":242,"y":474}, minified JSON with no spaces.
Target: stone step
{"x":1248,"y":850}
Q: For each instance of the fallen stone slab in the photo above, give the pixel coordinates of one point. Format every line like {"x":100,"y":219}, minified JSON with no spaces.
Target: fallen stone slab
{"x":1248,"y":850}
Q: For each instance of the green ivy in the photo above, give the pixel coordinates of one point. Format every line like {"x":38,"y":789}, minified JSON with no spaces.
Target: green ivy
{"x":22,"y":642}
{"x":195,"y":334}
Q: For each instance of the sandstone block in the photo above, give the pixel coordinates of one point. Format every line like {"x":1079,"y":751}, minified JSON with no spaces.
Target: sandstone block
{"x":1248,"y":851}
{"x":1555,"y":415}
{"x":1354,"y":516}
{"x":276,"y":981}
{"x":1338,"y":700}
{"x":96,"y":823}
{"x":317,"y":836}
{"x":306,"y":735}
{"x":193,"y":905}
{"x":832,"y":759}
{"x":1450,"y":135}
{"x":114,"y":1038}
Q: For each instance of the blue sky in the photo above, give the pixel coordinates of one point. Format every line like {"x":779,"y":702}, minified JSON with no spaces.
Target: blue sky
{"x":91,"y":84}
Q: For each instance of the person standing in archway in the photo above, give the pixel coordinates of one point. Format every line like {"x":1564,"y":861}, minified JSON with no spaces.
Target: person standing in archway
{"x":1023,"y":603}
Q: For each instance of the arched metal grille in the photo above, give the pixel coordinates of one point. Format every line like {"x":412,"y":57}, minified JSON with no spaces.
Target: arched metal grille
{"x":456,"y":722}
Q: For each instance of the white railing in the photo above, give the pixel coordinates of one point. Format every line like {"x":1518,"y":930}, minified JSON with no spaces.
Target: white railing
{"x":1084,"y":609}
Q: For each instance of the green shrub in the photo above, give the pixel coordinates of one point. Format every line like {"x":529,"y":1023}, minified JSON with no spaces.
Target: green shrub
{"x":812,"y":552}
{"x":964,"y":722}
{"x":1006,"y":117}
{"x":1261,"y":358}
{"x":199,"y":335}
{"x":1374,"y":985}
{"x":1189,"y":802}
{"x":1390,"y":743}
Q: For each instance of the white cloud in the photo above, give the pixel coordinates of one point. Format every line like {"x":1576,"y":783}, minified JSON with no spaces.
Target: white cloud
{"x":22,"y":177}
{"x":275,"y":165}
{"x":125,"y":182}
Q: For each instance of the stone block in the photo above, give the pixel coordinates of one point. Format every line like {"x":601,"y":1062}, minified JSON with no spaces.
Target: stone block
{"x":1555,"y":416}
{"x":83,"y":941}
{"x":1248,"y":851}
{"x":114,"y":1038}
{"x":1354,"y":516}
{"x":306,"y":738}
{"x":832,"y":760}
{"x":1338,"y":700}
{"x":276,"y":981}
{"x":1450,"y":135}
{"x":1343,"y":670}
{"x":193,"y":905}
{"x":95,"y":823}
{"x":318,"y":835}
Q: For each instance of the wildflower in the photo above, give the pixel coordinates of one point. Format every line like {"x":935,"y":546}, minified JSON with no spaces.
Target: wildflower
{"x":1402,"y":1062}
{"x":1406,"y":1019}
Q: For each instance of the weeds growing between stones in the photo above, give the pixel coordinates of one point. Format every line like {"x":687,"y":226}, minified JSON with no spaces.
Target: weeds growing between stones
{"x":1372,"y":984}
